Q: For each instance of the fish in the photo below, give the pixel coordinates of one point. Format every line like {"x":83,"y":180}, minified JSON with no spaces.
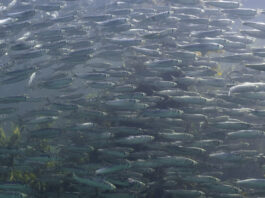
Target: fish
{"x":188,"y":2}
{"x":13,"y":99}
{"x":185,"y":193}
{"x":246,"y":87}
{"x":57,"y":83}
{"x":253,"y":33}
{"x":245,"y":134}
{"x":238,"y":58}
{"x":251,"y":183}
{"x":45,"y":133}
{"x":258,"y":26}
{"x":223,"y":4}
{"x":12,"y":194}
{"x":244,"y":13}
{"x":112,"y":22}
{"x":259,"y":67}
{"x":112,"y":169}
{"x":132,"y":140}
{"x":23,"y":15}
{"x":126,"y":104}
{"x":202,"y":47}
{"x":104,"y":185}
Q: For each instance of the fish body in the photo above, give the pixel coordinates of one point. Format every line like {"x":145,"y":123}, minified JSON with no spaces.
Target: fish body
{"x":223,"y":4}
{"x":252,"y":183}
{"x":96,"y":183}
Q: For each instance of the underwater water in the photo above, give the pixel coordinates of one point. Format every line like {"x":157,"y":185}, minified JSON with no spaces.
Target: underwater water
{"x":132,"y":99}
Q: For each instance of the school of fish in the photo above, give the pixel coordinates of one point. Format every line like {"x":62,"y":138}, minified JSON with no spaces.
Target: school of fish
{"x":131,"y":99}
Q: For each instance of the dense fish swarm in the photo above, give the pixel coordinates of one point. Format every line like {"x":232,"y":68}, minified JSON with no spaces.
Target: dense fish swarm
{"x":131,"y":99}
